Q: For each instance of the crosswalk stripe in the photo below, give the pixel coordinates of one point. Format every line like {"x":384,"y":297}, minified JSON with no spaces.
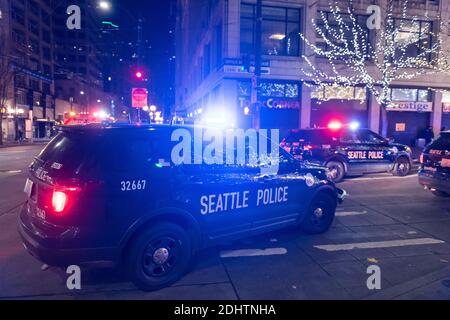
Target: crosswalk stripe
{"x":349,"y":213}
{"x":252,"y":252}
{"x":379,"y":244}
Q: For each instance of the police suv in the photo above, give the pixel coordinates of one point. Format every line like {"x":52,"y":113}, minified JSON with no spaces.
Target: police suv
{"x":148,"y":197}
{"x":434,"y":173}
{"x":348,"y":151}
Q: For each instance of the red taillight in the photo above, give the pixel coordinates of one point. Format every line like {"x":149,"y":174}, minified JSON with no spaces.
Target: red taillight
{"x":59,"y":201}
{"x":61,"y":197}
{"x":308,"y":147}
{"x":421,"y":159}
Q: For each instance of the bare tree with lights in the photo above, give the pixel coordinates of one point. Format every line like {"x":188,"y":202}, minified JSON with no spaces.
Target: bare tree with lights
{"x":350,"y":58}
{"x":6,"y":78}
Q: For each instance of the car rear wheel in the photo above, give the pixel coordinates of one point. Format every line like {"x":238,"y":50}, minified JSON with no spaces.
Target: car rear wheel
{"x":337,"y":170}
{"x":402,"y":167}
{"x":440,"y":194}
{"x":320,"y":214}
{"x":159,"y":256}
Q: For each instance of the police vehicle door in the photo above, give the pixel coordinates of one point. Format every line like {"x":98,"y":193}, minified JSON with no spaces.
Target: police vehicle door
{"x":279,"y":196}
{"x":379,"y":154}
{"x":354,"y":151}
{"x":221,"y":197}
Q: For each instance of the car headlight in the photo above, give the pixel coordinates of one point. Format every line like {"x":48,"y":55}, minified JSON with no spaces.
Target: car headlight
{"x":408,"y":150}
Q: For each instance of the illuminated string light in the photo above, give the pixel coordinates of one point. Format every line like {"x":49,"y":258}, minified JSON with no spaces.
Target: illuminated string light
{"x":350,"y":61}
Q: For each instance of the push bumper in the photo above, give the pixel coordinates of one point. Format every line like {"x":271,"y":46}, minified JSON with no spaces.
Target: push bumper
{"x":51,"y":250}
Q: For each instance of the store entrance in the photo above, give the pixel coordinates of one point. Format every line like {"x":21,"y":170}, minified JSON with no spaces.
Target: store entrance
{"x":446,"y":120}
{"x":405,"y":127}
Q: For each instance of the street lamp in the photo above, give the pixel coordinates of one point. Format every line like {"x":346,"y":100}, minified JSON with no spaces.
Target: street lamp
{"x":104,"y":5}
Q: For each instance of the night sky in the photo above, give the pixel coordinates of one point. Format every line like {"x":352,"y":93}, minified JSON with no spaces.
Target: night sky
{"x":157,"y":41}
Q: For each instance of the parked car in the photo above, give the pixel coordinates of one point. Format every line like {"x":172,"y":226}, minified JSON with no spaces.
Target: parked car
{"x":348,"y":151}
{"x":434,"y":173}
{"x":113,"y":193}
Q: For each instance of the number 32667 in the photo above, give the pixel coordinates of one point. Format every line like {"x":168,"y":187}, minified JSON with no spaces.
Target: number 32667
{"x":132,"y":185}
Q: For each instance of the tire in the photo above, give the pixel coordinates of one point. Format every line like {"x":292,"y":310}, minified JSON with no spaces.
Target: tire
{"x":440,"y":194}
{"x":339,"y":169}
{"x":315,"y":221}
{"x":158,"y":256}
{"x":402,"y":167}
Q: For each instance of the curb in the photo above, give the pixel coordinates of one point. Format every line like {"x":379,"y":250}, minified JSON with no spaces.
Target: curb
{"x":3,"y":146}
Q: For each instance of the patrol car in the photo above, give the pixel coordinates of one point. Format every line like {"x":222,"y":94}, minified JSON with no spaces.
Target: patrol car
{"x":348,"y":150}
{"x":434,"y":173}
{"x":118,"y":194}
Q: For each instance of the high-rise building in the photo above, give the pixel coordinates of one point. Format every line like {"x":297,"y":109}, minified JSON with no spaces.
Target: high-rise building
{"x":26,"y":53}
{"x":78,"y":69}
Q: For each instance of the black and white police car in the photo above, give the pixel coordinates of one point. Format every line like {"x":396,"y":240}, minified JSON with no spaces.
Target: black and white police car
{"x":119,"y":193}
{"x":434,"y":173}
{"x":348,"y":150}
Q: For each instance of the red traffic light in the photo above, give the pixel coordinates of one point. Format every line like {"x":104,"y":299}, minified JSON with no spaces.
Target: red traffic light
{"x":139,"y":74}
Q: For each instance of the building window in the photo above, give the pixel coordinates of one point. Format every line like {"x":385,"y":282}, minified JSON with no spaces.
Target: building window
{"x":18,"y":37}
{"x":414,"y":38}
{"x":46,"y":53}
{"x":18,"y":15}
{"x":47,"y":69}
{"x":329,"y":26}
{"x":46,"y":36}
{"x":280,"y":30}
{"x":34,"y":46}
{"x":270,"y":89}
{"x":34,"y":64}
{"x":34,"y":84}
{"x":20,"y":80}
{"x":332,"y":92}
{"x":33,"y":27}
{"x":34,"y":7}
{"x":410,"y":95}
{"x":46,"y":87}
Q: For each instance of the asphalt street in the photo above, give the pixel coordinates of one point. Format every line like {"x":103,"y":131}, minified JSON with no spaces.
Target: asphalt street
{"x":387,"y":221}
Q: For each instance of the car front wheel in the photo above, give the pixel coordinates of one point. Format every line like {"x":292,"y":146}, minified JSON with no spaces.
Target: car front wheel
{"x":159,"y":256}
{"x":402,"y":167}
{"x":320,"y":214}
{"x":337,"y":171}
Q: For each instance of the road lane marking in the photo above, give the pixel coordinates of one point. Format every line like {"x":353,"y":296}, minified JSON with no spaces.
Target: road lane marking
{"x":349,"y":213}
{"x":252,"y":252}
{"x":379,"y":244}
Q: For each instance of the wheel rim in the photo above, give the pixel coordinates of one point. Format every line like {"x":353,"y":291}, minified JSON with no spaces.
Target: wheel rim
{"x":335,"y":171}
{"x":403,"y":167}
{"x":320,"y":211}
{"x":160,"y":256}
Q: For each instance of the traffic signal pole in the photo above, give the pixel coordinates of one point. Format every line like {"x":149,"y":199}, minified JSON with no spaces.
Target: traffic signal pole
{"x":257,"y":73}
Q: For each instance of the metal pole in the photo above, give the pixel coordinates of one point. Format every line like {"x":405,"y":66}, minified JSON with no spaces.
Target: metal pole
{"x":257,"y":74}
